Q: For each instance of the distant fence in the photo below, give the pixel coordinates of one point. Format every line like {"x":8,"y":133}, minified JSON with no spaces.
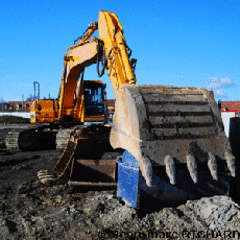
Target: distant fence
{"x":17,"y":114}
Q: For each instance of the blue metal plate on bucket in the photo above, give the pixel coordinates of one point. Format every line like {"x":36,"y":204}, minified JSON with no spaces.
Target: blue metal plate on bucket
{"x":131,"y":182}
{"x":128,"y":179}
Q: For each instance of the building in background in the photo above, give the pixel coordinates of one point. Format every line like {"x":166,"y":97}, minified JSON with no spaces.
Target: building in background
{"x":4,"y":107}
{"x":24,"y":106}
{"x":230,"y":110}
{"x":17,"y":106}
{"x":230,"y":106}
{"x":110,"y":108}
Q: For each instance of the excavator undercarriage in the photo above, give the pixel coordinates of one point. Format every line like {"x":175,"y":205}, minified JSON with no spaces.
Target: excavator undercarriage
{"x":31,"y":138}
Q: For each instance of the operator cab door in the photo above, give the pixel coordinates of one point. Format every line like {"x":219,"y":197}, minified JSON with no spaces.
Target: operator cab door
{"x":93,"y":98}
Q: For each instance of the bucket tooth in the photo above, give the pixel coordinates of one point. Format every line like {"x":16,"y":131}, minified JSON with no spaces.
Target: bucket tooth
{"x":170,"y":169}
{"x":192,"y":167}
{"x":230,"y":163}
{"x":212,"y":165}
{"x":147,"y":171}
{"x":46,"y":176}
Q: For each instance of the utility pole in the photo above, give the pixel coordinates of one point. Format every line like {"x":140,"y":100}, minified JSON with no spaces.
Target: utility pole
{"x":2,"y":104}
{"x":49,"y":91}
{"x":38,"y":94}
{"x":22,"y":101}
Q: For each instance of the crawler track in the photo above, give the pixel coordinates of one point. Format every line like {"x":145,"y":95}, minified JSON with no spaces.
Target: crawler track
{"x":62,"y":138}
{"x":31,"y":138}
{"x":11,"y":140}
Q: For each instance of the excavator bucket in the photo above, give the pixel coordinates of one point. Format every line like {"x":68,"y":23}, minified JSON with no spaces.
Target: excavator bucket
{"x":87,"y":161}
{"x":170,"y":126}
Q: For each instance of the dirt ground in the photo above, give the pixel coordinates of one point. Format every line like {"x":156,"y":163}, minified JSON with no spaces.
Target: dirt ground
{"x":31,"y":210}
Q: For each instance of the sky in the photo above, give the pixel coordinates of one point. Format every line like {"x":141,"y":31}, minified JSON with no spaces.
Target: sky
{"x":177,"y":42}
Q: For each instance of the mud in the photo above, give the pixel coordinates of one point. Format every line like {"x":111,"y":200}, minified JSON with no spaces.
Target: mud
{"x":31,"y":210}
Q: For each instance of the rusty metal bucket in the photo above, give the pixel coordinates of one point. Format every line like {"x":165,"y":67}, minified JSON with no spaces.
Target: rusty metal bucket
{"x":94,"y":161}
{"x":168,"y":126}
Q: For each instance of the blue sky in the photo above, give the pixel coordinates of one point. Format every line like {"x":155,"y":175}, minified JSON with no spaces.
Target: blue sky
{"x":178,"y":42}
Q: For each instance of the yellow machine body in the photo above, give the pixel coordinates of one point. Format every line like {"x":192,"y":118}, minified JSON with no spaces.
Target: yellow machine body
{"x":159,"y":125}
{"x":74,"y":111}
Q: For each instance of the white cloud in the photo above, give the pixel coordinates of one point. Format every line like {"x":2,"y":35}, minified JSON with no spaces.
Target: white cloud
{"x":220,"y":94}
{"x":216,"y":83}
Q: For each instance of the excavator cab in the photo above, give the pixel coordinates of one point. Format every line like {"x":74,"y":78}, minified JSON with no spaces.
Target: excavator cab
{"x":94,"y":98}
{"x":47,"y":110}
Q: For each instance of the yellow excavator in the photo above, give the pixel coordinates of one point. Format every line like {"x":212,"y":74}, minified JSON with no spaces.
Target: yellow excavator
{"x":79,"y":101}
{"x":167,"y":130}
